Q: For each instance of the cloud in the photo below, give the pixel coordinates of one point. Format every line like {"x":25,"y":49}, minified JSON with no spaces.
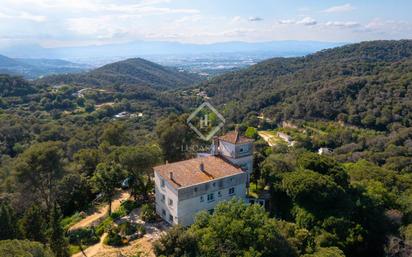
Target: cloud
{"x":255,"y":18}
{"x":23,"y":16}
{"x":288,"y":21}
{"x":192,"y":18}
{"x":307,"y":21}
{"x":236,"y":19}
{"x":339,"y":8}
{"x":340,"y":24}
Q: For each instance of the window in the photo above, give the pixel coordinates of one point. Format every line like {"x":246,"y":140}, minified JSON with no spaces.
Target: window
{"x":171,"y":218}
{"x":162,"y":183}
{"x":211,"y":197}
{"x":214,"y":184}
{"x":231,"y":191}
{"x":241,"y":150}
{"x":219,"y":194}
{"x":163,"y":198}
{"x":170,"y":202}
{"x":202,"y":199}
{"x":163,"y":212}
{"x":211,"y":211}
{"x":195,"y":189}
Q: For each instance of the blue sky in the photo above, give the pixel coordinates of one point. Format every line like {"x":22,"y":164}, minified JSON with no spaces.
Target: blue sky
{"x":55,"y":23}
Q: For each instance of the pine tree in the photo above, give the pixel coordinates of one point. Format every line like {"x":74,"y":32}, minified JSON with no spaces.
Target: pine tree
{"x":33,"y":225}
{"x":58,"y":242}
{"x":7,"y":222}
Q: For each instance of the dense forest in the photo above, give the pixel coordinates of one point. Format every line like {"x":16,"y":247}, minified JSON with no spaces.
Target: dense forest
{"x":135,"y":71}
{"x":67,"y":145}
{"x":366,"y":84}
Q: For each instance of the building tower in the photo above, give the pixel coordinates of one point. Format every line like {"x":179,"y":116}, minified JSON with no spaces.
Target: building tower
{"x":236,"y":149}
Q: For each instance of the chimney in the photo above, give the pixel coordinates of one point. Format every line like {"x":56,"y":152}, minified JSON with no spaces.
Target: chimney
{"x":171,"y":175}
{"x":202,"y":167}
{"x":237,"y":132}
{"x":215,"y":146}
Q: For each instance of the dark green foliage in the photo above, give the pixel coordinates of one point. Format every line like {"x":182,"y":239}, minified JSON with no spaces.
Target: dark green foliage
{"x":147,"y":213}
{"x":33,"y":225}
{"x":127,"y":229}
{"x":177,"y":242}
{"x":73,"y":193}
{"x":39,"y":167}
{"x":106,"y":179}
{"x":312,"y":189}
{"x":174,"y":135}
{"x":138,"y":163}
{"x":129,"y":205}
{"x":235,"y":229}
{"x":113,"y":237}
{"x":104,"y":226}
{"x":14,"y":86}
{"x":24,"y":248}
{"x":57,"y":241}
{"x":8,"y":223}
{"x":85,"y":236}
{"x":324,"y":165}
{"x":87,"y":160}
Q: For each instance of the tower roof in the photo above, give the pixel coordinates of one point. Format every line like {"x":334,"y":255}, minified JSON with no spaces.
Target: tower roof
{"x":234,"y":137}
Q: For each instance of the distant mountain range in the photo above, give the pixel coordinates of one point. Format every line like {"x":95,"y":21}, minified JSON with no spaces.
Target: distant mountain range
{"x":145,"y":48}
{"x":134,"y":71}
{"x":35,"y":68}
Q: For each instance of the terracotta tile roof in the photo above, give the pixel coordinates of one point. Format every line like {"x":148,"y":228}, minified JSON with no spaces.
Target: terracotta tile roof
{"x":234,"y":137}
{"x":186,"y":173}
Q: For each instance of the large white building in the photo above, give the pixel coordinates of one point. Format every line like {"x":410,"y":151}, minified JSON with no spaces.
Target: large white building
{"x":184,"y":188}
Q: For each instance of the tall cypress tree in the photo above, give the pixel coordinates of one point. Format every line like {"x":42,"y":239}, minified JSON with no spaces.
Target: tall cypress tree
{"x":8,"y":228}
{"x":33,"y":225}
{"x":58,"y":242}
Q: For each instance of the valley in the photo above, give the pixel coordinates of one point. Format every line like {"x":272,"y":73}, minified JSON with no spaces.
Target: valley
{"x":331,"y":144}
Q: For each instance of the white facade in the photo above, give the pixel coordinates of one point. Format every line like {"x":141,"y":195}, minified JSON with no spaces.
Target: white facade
{"x":179,"y":206}
{"x":238,"y":154}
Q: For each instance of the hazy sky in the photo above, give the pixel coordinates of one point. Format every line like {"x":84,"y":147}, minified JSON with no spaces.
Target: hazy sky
{"x":54,"y":23}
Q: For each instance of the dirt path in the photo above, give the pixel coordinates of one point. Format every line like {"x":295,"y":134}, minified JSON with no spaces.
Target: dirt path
{"x":268,"y":137}
{"x":92,"y":250}
{"x":143,"y":245}
{"x":99,"y":214}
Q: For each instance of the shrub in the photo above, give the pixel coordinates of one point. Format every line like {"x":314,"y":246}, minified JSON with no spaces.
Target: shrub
{"x":127,"y":228}
{"x":147,"y":213}
{"x":141,"y":229}
{"x":71,"y":220}
{"x":129,"y":205}
{"x":86,"y":236}
{"x":119,"y":213}
{"x":24,"y":248}
{"x":113,"y":238}
{"x":104,"y":226}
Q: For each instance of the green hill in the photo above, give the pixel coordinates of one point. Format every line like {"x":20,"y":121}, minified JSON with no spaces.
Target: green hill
{"x":131,"y":71}
{"x":366,"y":84}
{"x":35,"y":68}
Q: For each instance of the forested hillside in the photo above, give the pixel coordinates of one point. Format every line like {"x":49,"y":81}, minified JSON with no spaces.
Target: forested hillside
{"x":131,"y":71}
{"x":366,"y":84}
{"x":35,"y":68}
{"x":66,"y":150}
